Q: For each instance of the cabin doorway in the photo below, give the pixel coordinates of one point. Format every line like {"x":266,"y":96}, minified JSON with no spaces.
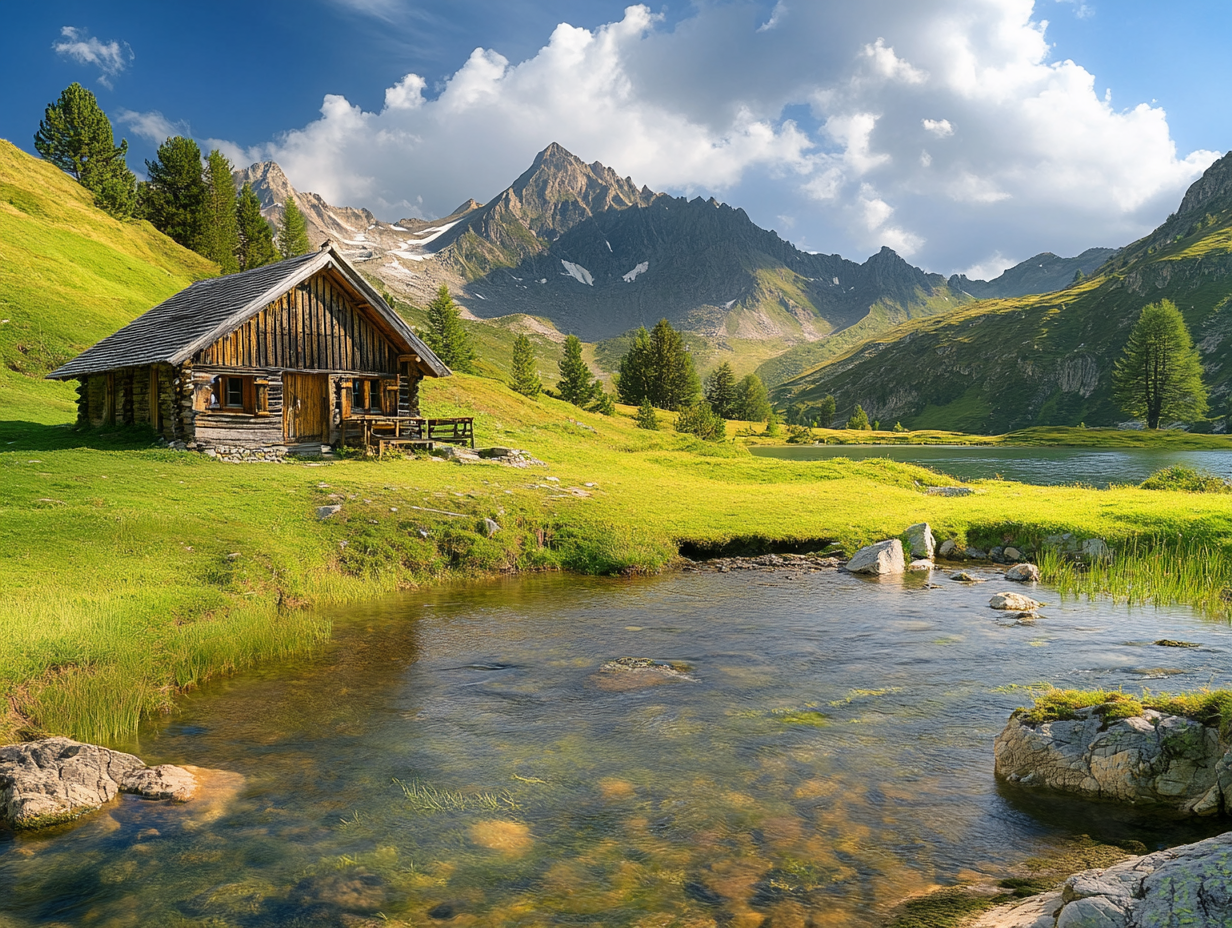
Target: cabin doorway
{"x":305,"y":407}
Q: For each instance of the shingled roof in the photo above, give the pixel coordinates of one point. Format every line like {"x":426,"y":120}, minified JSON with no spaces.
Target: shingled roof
{"x":204,"y":312}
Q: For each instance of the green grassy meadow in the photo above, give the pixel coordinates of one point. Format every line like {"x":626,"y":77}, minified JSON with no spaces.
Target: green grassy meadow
{"x":133,"y":572}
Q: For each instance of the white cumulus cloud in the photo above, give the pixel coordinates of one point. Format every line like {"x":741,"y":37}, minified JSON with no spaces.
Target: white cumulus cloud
{"x":109,"y":57}
{"x":942,"y":128}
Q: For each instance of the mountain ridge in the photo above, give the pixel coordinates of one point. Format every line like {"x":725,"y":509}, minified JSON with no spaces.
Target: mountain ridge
{"x":1047,"y":359}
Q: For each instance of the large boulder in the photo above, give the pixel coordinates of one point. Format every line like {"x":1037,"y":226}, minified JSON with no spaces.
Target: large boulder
{"x":882,"y":559}
{"x":1152,"y":759}
{"x":1187,"y":885}
{"x":1014,"y":602}
{"x":1023,"y":573}
{"x":920,"y":540}
{"x":57,"y":779}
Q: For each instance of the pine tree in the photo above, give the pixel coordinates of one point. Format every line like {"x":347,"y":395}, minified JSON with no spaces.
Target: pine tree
{"x":1160,"y":374}
{"x":859,"y":419}
{"x":256,"y":238}
{"x":293,"y":233}
{"x":673,"y":381}
{"x":634,"y":375}
{"x":700,"y":420}
{"x":646,"y":417}
{"x":76,"y":136}
{"x":525,"y":379}
{"x":220,"y":239}
{"x":772,"y":425}
{"x":576,"y":385}
{"x":603,"y":402}
{"x":752,"y":402}
{"x":825,"y":412}
{"x":445,"y":334}
{"x":174,"y":197}
{"x":720,"y":391}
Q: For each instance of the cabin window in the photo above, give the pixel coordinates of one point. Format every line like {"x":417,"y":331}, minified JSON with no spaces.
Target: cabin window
{"x":233,"y":392}
{"x":366,"y":397}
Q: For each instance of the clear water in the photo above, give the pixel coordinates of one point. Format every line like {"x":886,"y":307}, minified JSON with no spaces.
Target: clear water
{"x":1041,"y":466}
{"x":833,"y":753}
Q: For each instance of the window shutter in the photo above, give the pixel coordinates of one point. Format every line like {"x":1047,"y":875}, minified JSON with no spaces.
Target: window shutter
{"x":345,"y":387}
{"x":261,"y":386}
{"x":389,"y":404}
{"x":203,"y":389}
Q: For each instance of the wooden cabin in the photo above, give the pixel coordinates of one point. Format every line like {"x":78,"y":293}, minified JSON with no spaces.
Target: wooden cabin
{"x":292,"y":356}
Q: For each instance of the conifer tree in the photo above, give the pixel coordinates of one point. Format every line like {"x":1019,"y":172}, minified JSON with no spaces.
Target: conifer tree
{"x":720,"y":391}
{"x":751,"y":402}
{"x":1160,"y":375}
{"x":603,"y":402}
{"x":634,"y":376}
{"x":293,"y":232}
{"x":859,"y":419}
{"x":673,"y":381}
{"x":256,"y":238}
{"x":525,"y":379}
{"x":772,"y":425}
{"x":825,"y":412}
{"x":576,"y":385}
{"x":174,"y":197}
{"x":445,"y":334}
{"x":220,"y":240}
{"x":647,"y":418}
{"x":76,"y":136}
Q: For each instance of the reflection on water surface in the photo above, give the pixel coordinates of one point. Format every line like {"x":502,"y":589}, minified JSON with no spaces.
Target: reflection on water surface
{"x":458,"y":757}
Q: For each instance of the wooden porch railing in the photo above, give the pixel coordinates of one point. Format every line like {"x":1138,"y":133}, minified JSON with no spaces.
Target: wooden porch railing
{"x":383,"y":432}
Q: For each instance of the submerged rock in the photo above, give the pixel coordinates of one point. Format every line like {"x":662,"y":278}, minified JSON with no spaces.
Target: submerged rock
{"x":921,"y":565}
{"x":1186,"y":885}
{"x":1152,"y":758}
{"x":1014,"y":602}
{"x":646,"y":665}
{"x":885,"y":558}
{"x":57,"y":780}
{"x":920,"y":541}
{"x":1023,"y":573}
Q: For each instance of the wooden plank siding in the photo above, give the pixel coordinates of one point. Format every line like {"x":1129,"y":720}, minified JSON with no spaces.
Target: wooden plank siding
{"x":317,"y":326}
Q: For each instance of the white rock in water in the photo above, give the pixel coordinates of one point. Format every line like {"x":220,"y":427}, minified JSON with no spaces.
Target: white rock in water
{"x":1015,"y":602}
{"x":1023,"y":573}
{"x":882,"y":559}
{"x":165,"y":781}
{"x":1185,"y":885}
{"x":921,"y":564}
{"x":57,"y":779}
{"x":920,"y":539}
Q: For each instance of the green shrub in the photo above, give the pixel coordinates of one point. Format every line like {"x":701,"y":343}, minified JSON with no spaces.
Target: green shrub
{"x":700,"y":420}
{"x":1187,"y":479}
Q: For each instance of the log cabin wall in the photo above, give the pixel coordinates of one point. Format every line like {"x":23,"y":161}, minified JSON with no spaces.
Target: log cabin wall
{"x":125,"y":396}
{"x":314,"y":327}
{"x":215,"y":428}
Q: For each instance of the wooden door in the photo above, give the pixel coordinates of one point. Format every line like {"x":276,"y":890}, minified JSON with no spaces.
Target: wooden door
{"x":305,"y":407}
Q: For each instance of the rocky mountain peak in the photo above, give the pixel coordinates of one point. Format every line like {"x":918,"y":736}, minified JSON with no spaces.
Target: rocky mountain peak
{"x":267,"y":181}
{"x":1210,"y":193}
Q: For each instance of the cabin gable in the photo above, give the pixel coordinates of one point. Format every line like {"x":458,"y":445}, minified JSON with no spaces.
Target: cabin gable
{"x":321,"y":324}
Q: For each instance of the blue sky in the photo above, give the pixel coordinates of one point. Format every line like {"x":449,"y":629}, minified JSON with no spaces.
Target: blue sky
{"x":843,"y":126}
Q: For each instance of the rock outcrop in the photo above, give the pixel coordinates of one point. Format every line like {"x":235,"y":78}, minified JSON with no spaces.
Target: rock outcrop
{"x":885,"y":558}
{"x":1152,"y":758}
{"x":1190,"y":885}
{"x":56,"y":780}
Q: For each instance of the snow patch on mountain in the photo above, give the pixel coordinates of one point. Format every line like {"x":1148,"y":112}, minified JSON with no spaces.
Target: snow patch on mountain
{"x":633,"y":274}
{"x":578,"y":273}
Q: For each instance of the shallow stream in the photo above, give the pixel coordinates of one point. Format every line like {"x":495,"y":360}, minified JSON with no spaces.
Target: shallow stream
{"x":458,"y":757}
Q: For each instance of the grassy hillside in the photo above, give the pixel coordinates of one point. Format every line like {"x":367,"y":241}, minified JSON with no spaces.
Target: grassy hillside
{"x":996,"y":366}
{"x":99,"y":630}
{"x":69,"y":275}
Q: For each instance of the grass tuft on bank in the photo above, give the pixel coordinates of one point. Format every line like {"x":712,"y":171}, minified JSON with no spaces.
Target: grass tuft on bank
{"x":1210,"y":707}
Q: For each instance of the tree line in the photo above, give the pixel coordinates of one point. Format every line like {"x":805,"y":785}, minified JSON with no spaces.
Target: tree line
{"x":190,"y":198}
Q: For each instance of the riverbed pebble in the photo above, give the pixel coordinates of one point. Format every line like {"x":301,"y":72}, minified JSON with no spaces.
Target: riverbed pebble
{"x":1023,"y":573}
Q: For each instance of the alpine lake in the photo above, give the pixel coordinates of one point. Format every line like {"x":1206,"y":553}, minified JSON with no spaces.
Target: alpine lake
{"x":459,"y":756}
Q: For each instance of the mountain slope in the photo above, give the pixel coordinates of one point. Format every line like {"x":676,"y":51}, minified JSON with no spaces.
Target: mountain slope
{"x":69,"y":275}
{"x":1047,"y":360}
{"x":594,"y":254}
{"x":1042,"y":273}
